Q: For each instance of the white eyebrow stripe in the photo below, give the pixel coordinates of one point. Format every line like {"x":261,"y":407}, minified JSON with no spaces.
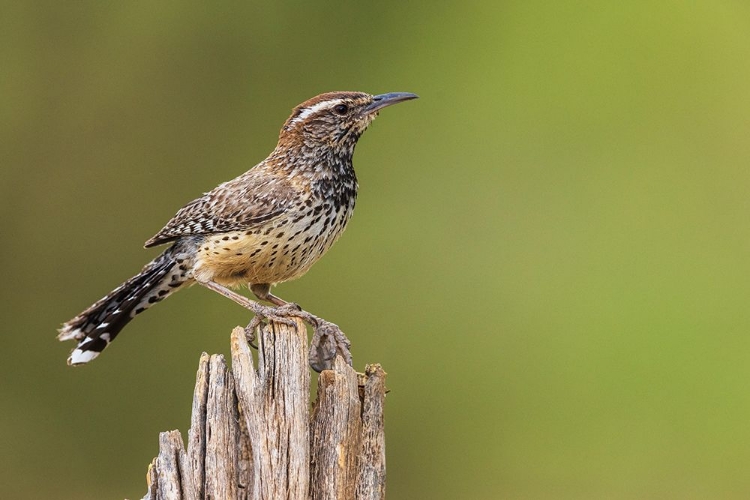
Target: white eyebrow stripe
{"x":314,"y":109}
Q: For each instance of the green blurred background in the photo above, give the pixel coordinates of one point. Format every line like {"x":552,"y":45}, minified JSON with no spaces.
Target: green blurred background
{"x":549,"y":254}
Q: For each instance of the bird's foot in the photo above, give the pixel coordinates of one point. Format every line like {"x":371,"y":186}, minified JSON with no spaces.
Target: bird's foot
{"x":254,"y":324}
{"x":328,"y":340}
{"x":263,"y":314}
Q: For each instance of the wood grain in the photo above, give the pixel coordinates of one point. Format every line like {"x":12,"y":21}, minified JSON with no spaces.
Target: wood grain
{"x":253,"y":436}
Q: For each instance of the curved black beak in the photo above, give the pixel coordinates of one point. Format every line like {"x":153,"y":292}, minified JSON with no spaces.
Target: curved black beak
{"x":383,"y":100}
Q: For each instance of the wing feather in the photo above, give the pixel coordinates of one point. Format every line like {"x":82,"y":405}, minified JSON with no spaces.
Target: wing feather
{"x":240,"y":204}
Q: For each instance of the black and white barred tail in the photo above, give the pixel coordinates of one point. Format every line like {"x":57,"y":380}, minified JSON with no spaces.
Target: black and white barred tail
{"x":98,"y":325}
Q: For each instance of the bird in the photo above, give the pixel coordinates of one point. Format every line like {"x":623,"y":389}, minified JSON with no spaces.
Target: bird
{"x":267,"y":226}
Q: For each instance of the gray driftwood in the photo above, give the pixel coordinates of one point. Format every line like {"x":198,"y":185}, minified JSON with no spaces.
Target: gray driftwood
{"x":253,"y":434}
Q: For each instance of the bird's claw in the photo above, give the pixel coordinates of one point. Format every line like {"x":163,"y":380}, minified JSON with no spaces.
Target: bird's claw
{"x":277,"y":314}
{"x":328,"y":341}
{"x":290,"y":308}
{"x":255,"y":323}
{"x":267,"y":314}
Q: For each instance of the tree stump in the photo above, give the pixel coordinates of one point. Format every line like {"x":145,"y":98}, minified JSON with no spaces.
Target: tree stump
{"x":253,"y":435}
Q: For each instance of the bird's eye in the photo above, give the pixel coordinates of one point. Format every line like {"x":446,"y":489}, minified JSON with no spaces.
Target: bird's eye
{"x":341,"y":109}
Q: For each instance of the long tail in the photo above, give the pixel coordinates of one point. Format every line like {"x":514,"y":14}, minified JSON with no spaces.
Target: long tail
{"x":98,"y":325}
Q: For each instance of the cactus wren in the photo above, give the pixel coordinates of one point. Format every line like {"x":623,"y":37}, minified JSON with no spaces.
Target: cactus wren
{"x":267,"y":226}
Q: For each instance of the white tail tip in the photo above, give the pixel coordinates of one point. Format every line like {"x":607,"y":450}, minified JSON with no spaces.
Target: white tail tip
{"x":79,"y":357}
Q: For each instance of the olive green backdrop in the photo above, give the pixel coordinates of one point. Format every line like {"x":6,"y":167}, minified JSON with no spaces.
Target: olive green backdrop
{"x":549,"y":254}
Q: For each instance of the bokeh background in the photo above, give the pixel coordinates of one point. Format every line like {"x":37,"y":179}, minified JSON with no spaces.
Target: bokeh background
{"x":549,"y":254}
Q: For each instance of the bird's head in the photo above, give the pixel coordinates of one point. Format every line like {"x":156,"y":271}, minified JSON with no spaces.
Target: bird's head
{"x":336,"y":120}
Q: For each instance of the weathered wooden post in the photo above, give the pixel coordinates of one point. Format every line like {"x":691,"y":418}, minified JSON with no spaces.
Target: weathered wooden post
{"x":253,"y":434}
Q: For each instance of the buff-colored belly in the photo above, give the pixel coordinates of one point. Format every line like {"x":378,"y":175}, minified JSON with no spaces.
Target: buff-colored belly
{"x":273,"y":254}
